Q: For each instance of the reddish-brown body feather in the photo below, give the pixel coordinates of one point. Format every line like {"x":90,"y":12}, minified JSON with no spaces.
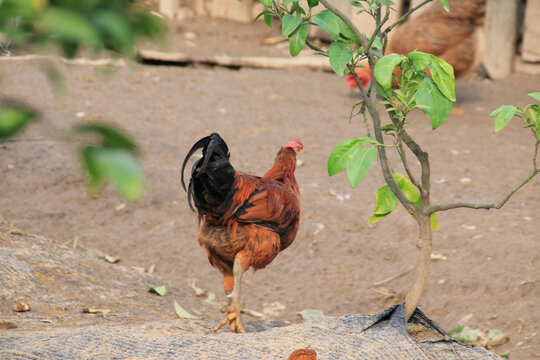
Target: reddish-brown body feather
{"x":261,"y":221}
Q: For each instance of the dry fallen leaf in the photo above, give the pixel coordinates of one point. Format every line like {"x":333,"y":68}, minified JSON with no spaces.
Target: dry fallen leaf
{"x":103,"y":312}
{"x":21,"y":306}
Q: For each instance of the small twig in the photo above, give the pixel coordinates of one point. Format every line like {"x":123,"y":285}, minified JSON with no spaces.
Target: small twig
{"x":378,"y":28}
{"x":391,"y":278}
{"x":403,"y":157}
{"x":436,"y":208}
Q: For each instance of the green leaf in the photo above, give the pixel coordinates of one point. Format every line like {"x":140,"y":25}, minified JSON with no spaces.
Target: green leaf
{"x":538,"y":134}
{"x":329,"y":22}
{"x":535,"y":96}
{"x":268,"y":18}
{"x":384,"y":69}
{"x":358,"y":166}
{"x":13,"y":119}
{"x":289,"y":24}
{"x":339,"y":56}
{"x":434,"y":104}
{"x":310,"y":314}
{"x":445,"y":4}
{"x":68,"y":26}
{"x":160,"y":290}
{"x":116,"y":31}
{"x":117,"y":166}
{"x":465,"y":335}
{"x":503,"y":115}
{"x":103,"y":312}
{"x":313,"y":3}
{"x":434,"y":223}
{"x":183,"y":314}
{"x":344,"y":152}
{"x":267,"y":3}
{"x":442,"y":74}
{"x":407,"y":188}
{"x":210,"y":298}
{"x":375,"y":218}
{"x":110,"y":136}
{"x":297,"y":41}
{"x":534,"y":114}
{"x":346,"y":32}
{"x":385,"y":201}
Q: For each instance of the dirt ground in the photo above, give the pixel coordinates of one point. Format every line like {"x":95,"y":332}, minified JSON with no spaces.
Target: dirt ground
{"x":489,"y":263}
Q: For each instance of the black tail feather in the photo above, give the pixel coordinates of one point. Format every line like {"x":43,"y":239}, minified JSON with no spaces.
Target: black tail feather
{"x":212,"y":176}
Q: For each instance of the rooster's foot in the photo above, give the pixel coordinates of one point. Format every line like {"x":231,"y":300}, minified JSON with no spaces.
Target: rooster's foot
{"x":233,"y":319}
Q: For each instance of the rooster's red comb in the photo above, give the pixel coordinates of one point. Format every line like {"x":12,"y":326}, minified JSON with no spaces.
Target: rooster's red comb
{"x":295,"y":144}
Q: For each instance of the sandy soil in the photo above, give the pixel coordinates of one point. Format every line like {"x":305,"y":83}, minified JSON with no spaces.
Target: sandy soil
{"x":490,"y":267}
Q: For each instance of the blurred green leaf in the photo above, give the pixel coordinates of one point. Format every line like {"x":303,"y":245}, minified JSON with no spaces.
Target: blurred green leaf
{"x":267,"y":3}
{"x":116,"y":166}
{"x":13,"y":119}
{"x":312,"y":3}
{"x":434,"y":104}
{"x":160,"y":290}
{"x":27,"y":8}
{"x":210,"y":298}
{"x":183,"y":314}
{"x":384,"y":69}
{"x":465,"y":335}
{"x":116,"y":31}
{"x":535,"y":96}
{"x":110,"y":136}
{"x":503,"y":115}
{"x":339,"y":56}
{"x":297,"y":40}
{"x":445,"y":4}
{"x":68,"y":26}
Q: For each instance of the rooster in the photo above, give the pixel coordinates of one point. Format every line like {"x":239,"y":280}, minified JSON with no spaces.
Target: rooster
{"x":244,"y":220}
{"x":454,"y":36}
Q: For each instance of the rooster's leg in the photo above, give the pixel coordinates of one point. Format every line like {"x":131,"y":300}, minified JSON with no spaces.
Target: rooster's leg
{"x":233,"y":311}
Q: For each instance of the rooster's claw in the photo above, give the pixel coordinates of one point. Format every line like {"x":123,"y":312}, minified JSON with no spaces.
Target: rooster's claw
{"x":233,"y":319}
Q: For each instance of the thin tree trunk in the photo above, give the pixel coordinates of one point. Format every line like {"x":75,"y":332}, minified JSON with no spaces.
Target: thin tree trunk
{"x":424,"y":245}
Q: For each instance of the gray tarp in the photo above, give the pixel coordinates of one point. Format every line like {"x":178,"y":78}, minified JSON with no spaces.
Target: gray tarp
{"x":58,"y":282}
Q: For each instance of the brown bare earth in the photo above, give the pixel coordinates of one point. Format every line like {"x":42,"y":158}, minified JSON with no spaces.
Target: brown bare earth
{"x":487,"y":262}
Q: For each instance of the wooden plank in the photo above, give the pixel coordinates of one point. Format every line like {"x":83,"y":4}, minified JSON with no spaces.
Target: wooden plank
{"x":530,"y":50}
{"x":169,"y":8}
{"x":500,"y":36}
{"x":312,"y":62}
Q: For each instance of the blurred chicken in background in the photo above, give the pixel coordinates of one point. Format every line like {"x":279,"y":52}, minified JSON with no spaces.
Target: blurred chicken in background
{"x":454,"y":36}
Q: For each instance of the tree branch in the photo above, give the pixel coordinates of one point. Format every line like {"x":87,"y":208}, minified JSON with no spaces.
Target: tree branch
{"x":500,"y":204}
{"x":361,"y":37}
{"x":387,"y":172}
